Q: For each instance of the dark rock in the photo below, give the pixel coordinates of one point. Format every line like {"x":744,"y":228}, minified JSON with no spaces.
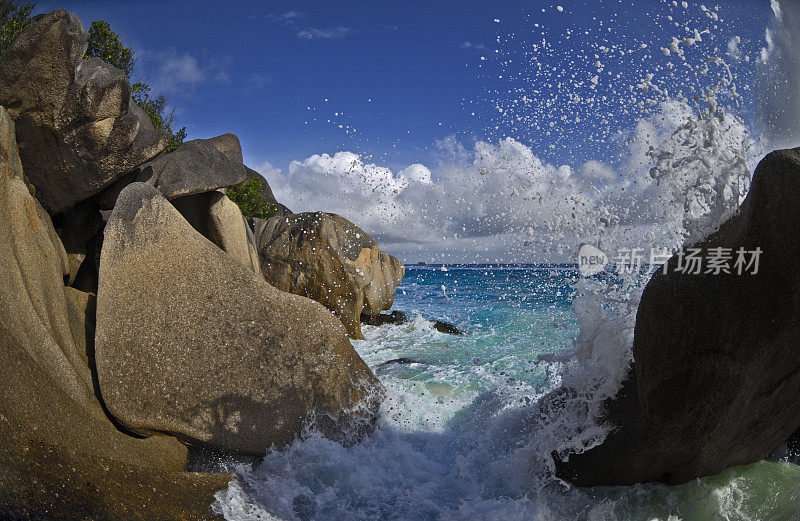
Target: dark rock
{"x":445,"y":327}
{"x":716,"y":371}
{"x":384,"y":367}
{"x":191,"y":342}
{"x":229,"y":145}
{"x":76,"y":227}
{"x":219,"y":220}
{"x":75,"y":130}
{"x":395,"y":318}
{"x":327,"y":258}
{"x":195,"y":167}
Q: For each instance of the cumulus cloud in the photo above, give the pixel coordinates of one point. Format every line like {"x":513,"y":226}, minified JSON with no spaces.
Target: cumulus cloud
{"x":777,"y":89}
{"x":333,"y":33}
{"x":501,"y":202}
{"x":475,"y":46}
{"x":175,"y":72}
{"x":287,"y":18}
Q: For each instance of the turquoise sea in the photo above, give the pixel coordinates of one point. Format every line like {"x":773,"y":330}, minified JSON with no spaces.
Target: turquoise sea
{"x":460,"y":436}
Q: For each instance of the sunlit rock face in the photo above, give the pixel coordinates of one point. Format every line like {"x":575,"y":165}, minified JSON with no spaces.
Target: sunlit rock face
{"x":54,"y":435}
{"x":716,"y":371}
{"x":192,"y":342}
{"x":329,"y":259}
{"x":77,"y":128}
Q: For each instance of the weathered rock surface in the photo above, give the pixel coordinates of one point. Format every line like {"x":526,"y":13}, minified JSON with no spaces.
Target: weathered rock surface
{"x":219,"y":220}
{"x":195,"y":167}
{"x":229,"y":145}
{"x":60,"y":456}
{"x":329,"y":259}
{"x":75,"y":130}
{"x":191,"y":342}
{"x":716,"y":374}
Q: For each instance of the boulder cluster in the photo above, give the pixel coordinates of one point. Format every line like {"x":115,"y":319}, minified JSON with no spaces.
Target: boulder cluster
{"x":140,"y":315}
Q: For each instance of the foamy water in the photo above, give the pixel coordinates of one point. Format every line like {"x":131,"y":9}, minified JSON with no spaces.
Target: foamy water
{"x":461,"y":435}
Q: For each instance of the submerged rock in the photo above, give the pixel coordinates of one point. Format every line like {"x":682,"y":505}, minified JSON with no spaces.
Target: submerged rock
{"x":329,"y":259}
{"x":60,"y":456}
{"x":394,"y":318}
{"x":76,"y":130}
{"x":446,"y":327}
{"x":716,"y":371}
{"x":191,"y":342}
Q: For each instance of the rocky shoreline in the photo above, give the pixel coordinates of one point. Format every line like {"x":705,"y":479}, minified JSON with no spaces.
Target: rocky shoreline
{"x":141,"y":315}
{"x":144,"y":318}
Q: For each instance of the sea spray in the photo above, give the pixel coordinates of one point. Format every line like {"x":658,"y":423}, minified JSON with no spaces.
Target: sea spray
{"x":464,"y":432}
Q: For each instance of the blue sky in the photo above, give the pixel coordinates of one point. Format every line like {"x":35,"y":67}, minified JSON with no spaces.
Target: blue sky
{"x":418,"y":100}
{"x":403,"y":75}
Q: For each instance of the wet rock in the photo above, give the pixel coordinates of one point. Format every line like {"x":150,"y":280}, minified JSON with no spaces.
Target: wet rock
{"x":394,"y":318}
{"x":716,"y":371}
{"x":329,"y":259}
{"x":191,"y":342}
{"x":446,"y":327}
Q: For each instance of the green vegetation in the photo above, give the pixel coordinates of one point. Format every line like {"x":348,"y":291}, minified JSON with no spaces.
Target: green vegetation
{"x":251,"y":202}
{"x":14,"y":18}
{"x":106,"y":45}
{"x":140,"y":92}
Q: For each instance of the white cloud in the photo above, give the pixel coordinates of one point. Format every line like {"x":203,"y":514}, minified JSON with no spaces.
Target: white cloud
{"x":333,"y":33}
{"x":174,"y":72}
{"x":179,"y":71}
{"x":471,"y":45}
{"x":777,"y":90}
{"x":500,"y":201}
{"x":267,"y":170}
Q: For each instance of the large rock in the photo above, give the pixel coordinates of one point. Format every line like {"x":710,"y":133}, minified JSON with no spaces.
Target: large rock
{"x":329,"y":259}
{"x":75,"y":128}
{"x":191,"y":342}
{"x":60,"y":456}
{"x":195,"y":167}
{"x":716,"y":375}
{"x":219,"y":220}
